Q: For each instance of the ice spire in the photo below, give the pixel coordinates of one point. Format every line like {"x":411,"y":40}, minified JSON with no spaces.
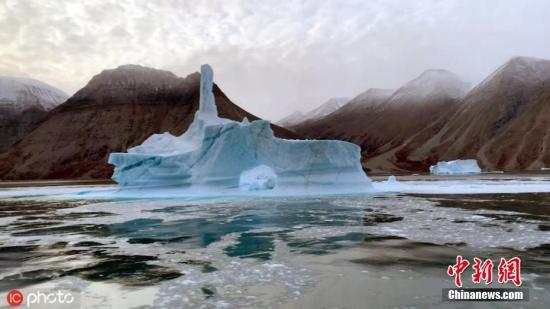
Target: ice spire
{"x":207,"y":104}
{"x":207,"y":114}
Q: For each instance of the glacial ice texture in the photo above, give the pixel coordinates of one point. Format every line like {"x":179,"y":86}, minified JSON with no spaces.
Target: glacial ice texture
{"x":217,"y":153}
{"x":258,"y":178}
{"x":456,"y":167}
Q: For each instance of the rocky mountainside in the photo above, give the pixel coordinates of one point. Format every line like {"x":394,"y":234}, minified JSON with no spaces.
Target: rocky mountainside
{"x":324,"y":109}
{"x":504,"y":122}
{"x":382,"y":120}
{"x":24,"y":102}
{"x":116,"y":110}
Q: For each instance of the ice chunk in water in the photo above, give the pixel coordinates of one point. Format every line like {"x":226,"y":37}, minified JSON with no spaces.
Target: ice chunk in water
{"x":220,"y":153}
{"x":456,"y":167}
{"x":258,"y":178}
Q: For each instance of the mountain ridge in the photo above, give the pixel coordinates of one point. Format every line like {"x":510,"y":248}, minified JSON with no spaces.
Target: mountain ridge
{"x":112,"y":113}
{"x":322,"y":110}
{"x":502,"y":122}
{"x":381,"y":120}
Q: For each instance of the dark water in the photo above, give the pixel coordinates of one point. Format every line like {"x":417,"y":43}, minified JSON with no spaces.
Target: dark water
{"x":156,"y":243}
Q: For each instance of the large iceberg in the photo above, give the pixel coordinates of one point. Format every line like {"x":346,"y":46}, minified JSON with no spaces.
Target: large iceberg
{"x":456,"y":167}
{"x":221,"y":154}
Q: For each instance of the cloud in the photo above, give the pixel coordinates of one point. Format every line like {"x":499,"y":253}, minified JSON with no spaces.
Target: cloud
{"x":270,"y":57}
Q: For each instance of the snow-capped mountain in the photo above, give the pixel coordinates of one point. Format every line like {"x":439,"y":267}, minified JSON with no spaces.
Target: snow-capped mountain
{"x":292,"y":119}
{"x":379,"y":120}
{"x":22,"y":93}
{"x":430,"y":84}
{"x":367,"y":99}
{"x":503,"y":122}
{"x":24,"y":102}
{"x":116,"y":110}
{"x":324,"y":109}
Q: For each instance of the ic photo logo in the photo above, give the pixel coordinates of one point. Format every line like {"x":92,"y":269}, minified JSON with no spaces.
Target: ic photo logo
{"x":56,"y":299}
{"x":14,"y":298}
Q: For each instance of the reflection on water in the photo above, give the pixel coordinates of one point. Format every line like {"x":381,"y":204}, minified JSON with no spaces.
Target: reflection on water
{"x":217,"y":254}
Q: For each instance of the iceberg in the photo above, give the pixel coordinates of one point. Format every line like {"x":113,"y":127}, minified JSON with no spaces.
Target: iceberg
{"x":392,"y":180}
{"x":456,"y":167}
{"x":220,"y":154}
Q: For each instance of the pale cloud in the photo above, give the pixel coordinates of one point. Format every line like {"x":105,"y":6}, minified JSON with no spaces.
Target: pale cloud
{"x":271,"y":57}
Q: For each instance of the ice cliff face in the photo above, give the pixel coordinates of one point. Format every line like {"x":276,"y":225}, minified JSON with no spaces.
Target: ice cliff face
{"x":220,"y":153}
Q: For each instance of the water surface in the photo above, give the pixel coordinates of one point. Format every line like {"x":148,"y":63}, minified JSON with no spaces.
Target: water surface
{"x":381,"y":250}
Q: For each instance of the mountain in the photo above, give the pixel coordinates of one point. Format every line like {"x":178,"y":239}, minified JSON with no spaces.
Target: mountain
{"x":24,"y":102}
{"x":382,"y":120}
{"x":368,"y":99}
{"x":324,"y":109}
{"x":290,"y":120}
{"x":504,"y":122}
{"x":116,"y":110}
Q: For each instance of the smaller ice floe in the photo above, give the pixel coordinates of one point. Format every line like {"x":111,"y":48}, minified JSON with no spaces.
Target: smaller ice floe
{"x":390,"y":185}
{"x":545,"y":168}
{"x":456,"y":167}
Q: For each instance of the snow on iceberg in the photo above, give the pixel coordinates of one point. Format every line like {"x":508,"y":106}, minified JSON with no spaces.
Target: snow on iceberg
{"x":218,"y":153}
{"x":456,"y":167}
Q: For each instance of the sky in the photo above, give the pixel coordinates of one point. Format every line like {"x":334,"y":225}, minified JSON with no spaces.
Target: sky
{"x":271,"y":57}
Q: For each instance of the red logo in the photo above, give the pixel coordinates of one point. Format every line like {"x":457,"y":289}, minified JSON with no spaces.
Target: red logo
{"x":508,"y":270}
{"x":15,"y":298}
{"x":457,"y":269}
{"x":483,"y":271}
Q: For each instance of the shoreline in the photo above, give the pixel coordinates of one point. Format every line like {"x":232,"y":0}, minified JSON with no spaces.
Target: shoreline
{"x":373,"y":177}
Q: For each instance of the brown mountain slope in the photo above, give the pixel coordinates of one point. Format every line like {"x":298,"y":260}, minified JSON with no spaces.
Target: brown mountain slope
{"x":15,"y":124}
{"x":118,"y":109}
{"x":381,"y":121}
{"x":504,"y":122}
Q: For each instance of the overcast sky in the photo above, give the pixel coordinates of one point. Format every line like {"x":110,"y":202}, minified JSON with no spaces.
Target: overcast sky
{"x":271,"y":57}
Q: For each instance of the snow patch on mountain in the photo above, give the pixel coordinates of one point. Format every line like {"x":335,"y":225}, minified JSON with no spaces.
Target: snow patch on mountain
{"x":292,"y":119}
{"x":22,"y":93}
{"x":527,"y":70}
{"x":326,"y":108}
{"x":323,"y":110}
{"x":432,"y":83}
{"x":369,"y":98}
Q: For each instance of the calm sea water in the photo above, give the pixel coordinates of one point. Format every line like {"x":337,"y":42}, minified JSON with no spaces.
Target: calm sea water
{"x":386,"y":250}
